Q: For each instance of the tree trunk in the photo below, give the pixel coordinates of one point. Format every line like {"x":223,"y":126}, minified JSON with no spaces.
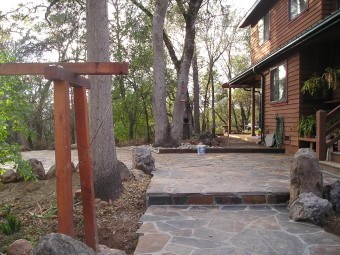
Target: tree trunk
{"x":188,"y":51}
{"x":107,"y":181}
{"x":213,"y":128}
{"x":197,"y":128}
{"x":159,"y":87}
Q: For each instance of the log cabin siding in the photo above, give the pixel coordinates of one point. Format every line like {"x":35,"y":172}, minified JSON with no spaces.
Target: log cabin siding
{"x":282,"y":29}
{"x":289,"y":110}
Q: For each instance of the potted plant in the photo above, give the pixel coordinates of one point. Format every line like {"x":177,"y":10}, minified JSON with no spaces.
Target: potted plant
{"x":329,"y":76}
{"x":307,"y":126}
{"x":317,"y":87}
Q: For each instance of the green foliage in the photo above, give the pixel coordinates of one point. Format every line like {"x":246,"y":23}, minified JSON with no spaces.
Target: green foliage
{"x":11,"y":224}
{"x":307,"y":125}
{"x":14,"y":109}
{"x":315,"y":86}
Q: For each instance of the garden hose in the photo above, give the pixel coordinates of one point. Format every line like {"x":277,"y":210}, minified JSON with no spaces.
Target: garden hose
{"x":279,"y":130}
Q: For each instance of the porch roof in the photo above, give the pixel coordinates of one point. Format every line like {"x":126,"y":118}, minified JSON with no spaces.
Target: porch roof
{"x":308,"y":35}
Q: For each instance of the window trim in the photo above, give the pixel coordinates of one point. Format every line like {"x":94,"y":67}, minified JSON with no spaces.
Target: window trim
{"x":299,"y":14}
{"x":285,"y":100}
{"x":264,"y":39}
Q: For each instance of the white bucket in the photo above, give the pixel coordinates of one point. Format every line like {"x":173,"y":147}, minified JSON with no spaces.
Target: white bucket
{"x":201,"y":149}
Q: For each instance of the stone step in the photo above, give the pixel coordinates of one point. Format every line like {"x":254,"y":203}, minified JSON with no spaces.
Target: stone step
{"x":240,"y":198}
{"x":330,"y":167}
{"x":335,"y":156}
{"x":222,"y":150}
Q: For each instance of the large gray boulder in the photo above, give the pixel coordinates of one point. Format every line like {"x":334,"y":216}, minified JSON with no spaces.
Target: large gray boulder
{"x":37,"y":168}
{"x":20,"y":247}
{"x":60,"y":244}
{"x":305,"y":174}
{"x":332,"y":194}
{"x":143,"y":160}
{"x":310,"y":208}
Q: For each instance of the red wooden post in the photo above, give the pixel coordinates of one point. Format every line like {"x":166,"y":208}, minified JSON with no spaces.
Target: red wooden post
{"x":63,"y":157}
{"x":321,"y":134}
{"x":85,"y":167}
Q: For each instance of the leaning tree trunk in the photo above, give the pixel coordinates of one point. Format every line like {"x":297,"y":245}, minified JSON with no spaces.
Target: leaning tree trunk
{"x":182,"y":86}
{"x":159,"y":88}
{"x":107,"y":181}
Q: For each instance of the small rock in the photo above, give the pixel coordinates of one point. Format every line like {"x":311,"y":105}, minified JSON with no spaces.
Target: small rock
{"x":104,"y":250}
{"x":77,"y":194}
{"x":52,"y":171}
{"x":143,"y":160}
{"x":125,"y":173}
{"x":37,"y":168}
{"x":9,"y":176}
{"x":139,"y":175}
{"x":103,"y":203}
{"x":20,"y":247}
{"x":97,"y":200}
{"x":332,"y":194}
{"x":24,"y":148}
{"x":60,"y":244}
{"x":305,"y":174}
{"x":310,"y":208}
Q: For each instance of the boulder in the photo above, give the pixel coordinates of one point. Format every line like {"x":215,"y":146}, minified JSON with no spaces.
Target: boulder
{"x":37,"y":168}
{"x":9,"y":176}
{"x":305,"y":174}
{"x":51,"y":172}
{"x":310,"y":208}
{"x":104,"y":250}
{"x":332,"y":194}
{"x":125,"y":173}
{"x":139,"y":175}
{"x":20,"y":247}
{"x":60,"y":244}
{"x":143,"y":160}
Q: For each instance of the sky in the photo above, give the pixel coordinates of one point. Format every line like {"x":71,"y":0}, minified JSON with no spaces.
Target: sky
{"x":7,"y":5}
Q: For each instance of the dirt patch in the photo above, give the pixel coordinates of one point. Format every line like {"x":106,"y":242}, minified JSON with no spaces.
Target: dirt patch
{"x":34,"y":203}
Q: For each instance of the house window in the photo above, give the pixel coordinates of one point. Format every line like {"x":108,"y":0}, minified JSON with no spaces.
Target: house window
{"x":278,"y":84}
{"x":296,"y":7}
{"x":263,"y":27}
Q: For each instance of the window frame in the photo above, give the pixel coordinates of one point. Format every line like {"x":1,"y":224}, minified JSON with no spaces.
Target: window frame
{"x":264,"y":34}
{"x":285,"y":89}
{"x":297,"y":14}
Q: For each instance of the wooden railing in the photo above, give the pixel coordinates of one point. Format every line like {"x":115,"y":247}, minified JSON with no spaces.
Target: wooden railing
{"x":322,"y":117}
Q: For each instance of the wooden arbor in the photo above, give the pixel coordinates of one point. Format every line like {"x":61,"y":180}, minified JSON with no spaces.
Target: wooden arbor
{"x":65,"y":75}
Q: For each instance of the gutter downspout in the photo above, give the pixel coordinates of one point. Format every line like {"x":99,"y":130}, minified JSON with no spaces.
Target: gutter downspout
{"x":262,"y":103}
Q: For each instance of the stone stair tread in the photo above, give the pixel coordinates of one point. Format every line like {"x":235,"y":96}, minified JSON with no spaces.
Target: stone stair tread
{"x":330,"y":163}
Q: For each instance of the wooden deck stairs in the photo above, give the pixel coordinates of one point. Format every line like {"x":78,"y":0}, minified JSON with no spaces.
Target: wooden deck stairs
{"x":332,"y":166}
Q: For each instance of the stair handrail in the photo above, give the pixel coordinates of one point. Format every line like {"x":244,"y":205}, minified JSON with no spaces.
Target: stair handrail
{"x":322,"y":131}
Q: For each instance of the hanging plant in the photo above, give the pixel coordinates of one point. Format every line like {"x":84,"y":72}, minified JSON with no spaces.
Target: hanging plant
{"x":316,"y":86}
{"x":329,"y":77}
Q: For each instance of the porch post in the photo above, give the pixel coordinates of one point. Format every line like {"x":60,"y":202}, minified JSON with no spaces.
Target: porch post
{"x":253,"y":111}
{"x":321,"y":118}
{"x":63,"y":157}
{"x":229,"y":111}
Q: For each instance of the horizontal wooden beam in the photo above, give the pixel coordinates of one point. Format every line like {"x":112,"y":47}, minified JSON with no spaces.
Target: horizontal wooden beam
{"x":57,"y":73}
{"x":89,"y":68}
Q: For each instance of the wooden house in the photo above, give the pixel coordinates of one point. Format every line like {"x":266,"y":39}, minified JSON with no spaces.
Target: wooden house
{"x":292,"y":43}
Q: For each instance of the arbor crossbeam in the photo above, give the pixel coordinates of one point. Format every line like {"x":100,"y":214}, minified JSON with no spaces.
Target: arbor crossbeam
{"x":88,"y":68}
